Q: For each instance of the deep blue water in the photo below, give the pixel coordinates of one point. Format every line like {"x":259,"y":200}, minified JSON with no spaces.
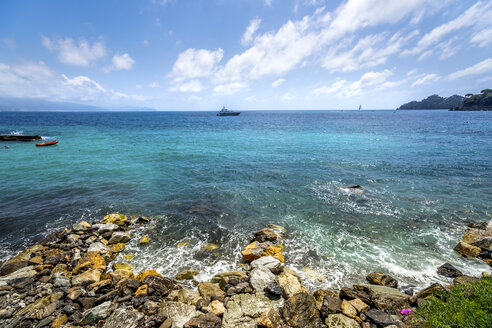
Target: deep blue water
{"x":205,"y":178}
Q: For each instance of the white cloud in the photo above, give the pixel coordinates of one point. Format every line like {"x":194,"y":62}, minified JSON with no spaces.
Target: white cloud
{"x":277,"y":82}
{"x":153,"y":85}
{"x":70,"y":53}
{"x":483,"y":37}
{"x":138,"y":86}
{"x":229,"y":88}
{"x":428,"y":78}
{"x":335,"y":87}
{"x":250,"y":31}
{"x":288,"y":97}
{"x":195,"y":63}
{"x":477,"y":69}
{"x":268,"y":3}
{"x":123,"y":62}
{"x":191,"y":86}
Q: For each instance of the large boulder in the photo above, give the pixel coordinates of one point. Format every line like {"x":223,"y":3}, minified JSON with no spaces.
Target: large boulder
{"x":320,"y":294}
{"x":123,"y":318}
{"x":269,"y":262}
{"x":330,"y":305}
{"x":300,"y":311}
{"x":447,"y":270}
{"x":265,"y":234}
{"x":340,"y":321}
{"x":260,"y":278}
{"x":382,"y":279}
{"x":290,"y":285}
{"x":254,"y":251}
{"x":243,"y":310}
{"x":467,"y":250}
{"x":119,"y":237}
{"x":210,"y":290}
{"x":179,"y":313}
{"x":385,"y":298}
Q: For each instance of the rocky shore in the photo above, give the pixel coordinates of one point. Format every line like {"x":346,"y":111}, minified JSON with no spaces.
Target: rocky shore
{"x":71,"y":279}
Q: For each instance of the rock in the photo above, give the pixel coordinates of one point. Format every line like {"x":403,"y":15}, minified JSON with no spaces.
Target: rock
{"x":88,"y":277}
{"x":226,"y":278}
{"x":121,"y":274}
{"x":183,"y":243}
{"x":114,"y":218}
{"x":330,"y":305}
{"x":160,"y":286}
{"x":243,"y":310}
{"x":119,"y":237}
{"x":61,"y":319}
{"x":300,"y":311}
{"x":359,"y":305}
{"x":380,"y":318}
{"x":146,"y":273}
{"x":217,"y":307}
{"x":382,"y":279}
{"x":340,"y":321}
{"x":467,"y":250}
{"x":348,"y":309}
{"x":427,"y":293}
{"x":447,"y":270}
{"x":90,"y":260}
{"x":117,"y":248}
{"x":473,"y":235}
{"x":274,"y":289}
{"x":128,"y":257}
{"x":123,"y":318}
{"x":61,"y":281}
{"x":187,"y":274}
{"x":142,"y":291}
{"x":464,"y":280}
{"x":290,"y":285}
{"x":21,"y":283}
{"x":271,"y":319}
{"x":320,"y":294}
{"x":184,"y":295}
{"x":81,"y":226}
{"x":96,"y":313}
{"x":179,"y":313}
{"x":210,"y":290}
{"x":75,"y":292}
{"x":35,"y":260}
{"x":144,"y":240}
{"x":209,"y":247}
{"x":11,"y":267}
{"x":385,"y":298}
{"x":265,"y":234}
{"x":105,"y":227}
{"x":276,"y":252}
{"x":208,"y":320}
{"x":269,"y":262}
{"x":122,"y":266}
{"x":312,"y":274}
{"x":143,"y":220}
{"x":261,"y":277}
{"x":254,"y":251}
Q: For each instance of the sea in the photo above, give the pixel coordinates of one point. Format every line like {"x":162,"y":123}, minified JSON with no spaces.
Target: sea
{"x":424,"y":175}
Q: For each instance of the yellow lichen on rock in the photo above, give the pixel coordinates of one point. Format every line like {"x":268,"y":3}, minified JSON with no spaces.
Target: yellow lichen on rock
{"x":209,"y":247}
{"x":144,"y":240}
{"x":142,"y":290}
{"x":117,"y":248}
{"x":122,"y":266}
{"x":128,"y":257}
{"x":146,"y":273}
{"x":90,"y":260}
{"x":183,"y":243}
{"x":114,"y":218}
{"x":275,"y":252}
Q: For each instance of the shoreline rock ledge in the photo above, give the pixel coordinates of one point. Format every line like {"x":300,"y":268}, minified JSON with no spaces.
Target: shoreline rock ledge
{"x":69,"y":280}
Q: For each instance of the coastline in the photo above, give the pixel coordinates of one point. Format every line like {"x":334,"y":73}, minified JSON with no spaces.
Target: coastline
{"x":71,"y":279}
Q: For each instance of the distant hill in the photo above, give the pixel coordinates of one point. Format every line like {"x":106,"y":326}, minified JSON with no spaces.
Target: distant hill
{"x":483,"y":99}
{"x":435,"y":102}
{"x":40,"y":105}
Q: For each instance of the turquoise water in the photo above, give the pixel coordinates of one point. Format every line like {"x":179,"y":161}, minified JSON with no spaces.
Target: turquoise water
{"x":204,"y":178}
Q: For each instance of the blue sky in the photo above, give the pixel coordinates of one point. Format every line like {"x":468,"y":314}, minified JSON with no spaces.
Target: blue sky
{"x":247,"y":54}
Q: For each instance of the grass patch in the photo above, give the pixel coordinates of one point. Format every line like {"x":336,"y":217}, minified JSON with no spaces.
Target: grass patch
{"x":465,"y":306}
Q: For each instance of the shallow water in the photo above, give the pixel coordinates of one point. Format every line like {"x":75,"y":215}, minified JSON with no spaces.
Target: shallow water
{"x":209,"y":179}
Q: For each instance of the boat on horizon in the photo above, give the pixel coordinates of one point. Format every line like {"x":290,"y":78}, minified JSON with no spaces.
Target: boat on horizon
{"x":49,"y":143}
{"x":225,"y":112}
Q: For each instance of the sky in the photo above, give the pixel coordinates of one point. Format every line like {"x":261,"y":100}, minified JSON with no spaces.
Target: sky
{"x":245,"y":54}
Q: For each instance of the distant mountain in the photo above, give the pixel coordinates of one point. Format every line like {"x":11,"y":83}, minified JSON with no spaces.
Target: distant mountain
{"x":40,"y":105}
{"x":483,"y":99}
{"x":435,"y":102}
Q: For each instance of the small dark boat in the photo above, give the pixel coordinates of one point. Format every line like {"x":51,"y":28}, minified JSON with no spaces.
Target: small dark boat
{"x":18,"y":137}
{"x":49,"y":143}
{"x":225,"y":112}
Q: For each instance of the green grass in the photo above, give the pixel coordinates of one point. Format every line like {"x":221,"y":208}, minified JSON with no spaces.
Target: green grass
{"x":466,"y":306}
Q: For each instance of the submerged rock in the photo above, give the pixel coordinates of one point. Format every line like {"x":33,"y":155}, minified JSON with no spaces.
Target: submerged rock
{"x":447,"y":270}
{"x":187,"y":274}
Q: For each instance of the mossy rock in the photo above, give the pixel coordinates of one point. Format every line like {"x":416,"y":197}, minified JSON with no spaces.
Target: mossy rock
{"x":114,"y":218}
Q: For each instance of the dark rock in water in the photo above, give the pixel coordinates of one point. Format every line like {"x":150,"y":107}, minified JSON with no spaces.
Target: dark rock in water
{"x":464,"y":280}
{"x":208,"y":320}
{"x":355,"y":187}
{"x":10,"y":267}
{"x":381,"y":279}
{"x":380,"y":318}
{"x":159,"y":285}
{"x":485,"y":254}
{"x":331,"y":305}
{"x":447,"y":270}
{"x":265,"y":234}
{"x":274,"y":289}
{"x":408,"y":289}
{"x":15,"y":137}
{"x":481,"y":225}
{"x":300,"y":311}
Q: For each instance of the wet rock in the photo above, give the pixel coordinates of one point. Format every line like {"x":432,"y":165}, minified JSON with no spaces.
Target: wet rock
{"x":226,"y":278}
{"x":243,"y":310}
{"x":269,"y":262}
{"x":159,"y":285}
{"x":210,"y":290}
{"x":143,"y":220}
{"x":260,"y":278}
{"x":274,"y":289}
{"x":467,"y":250}
{"x":187,"y":274}
{"x":447,"y":270}
{"x":142,"y":275}
{"x":95,"y":314}
{"x":144,"y":240}
{"x":380,"y":318}
{"x":464,"y":280}
{"x":254,"y":251}
{"x":265,"y":234}
{"x":105,"y":227}
{"x":123,"y":318}
{"x":312,"y":274}
{"x":300,"y":311}
{"x":330,"y":305}
{"x":208,"y":320}
{"x":209,"y":247}
{"x":382,"y":279}
{"x":427,"y":293}
{"x":114,"y":218}
{"x":290,"y":285}
{"x":385,"y":298}
{"x":178,"y":313}
{"x":119,"y":237}
{"x":340,"y":321}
